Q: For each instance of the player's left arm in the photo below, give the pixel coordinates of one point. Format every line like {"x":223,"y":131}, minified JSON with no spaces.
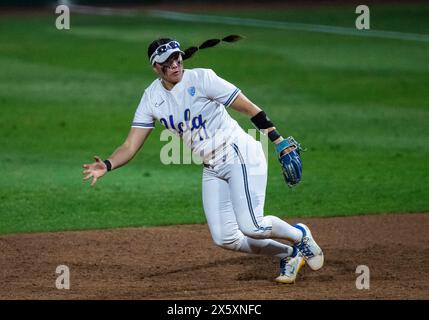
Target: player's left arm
{"x":287,"y":149}
{"x":243,"y":105}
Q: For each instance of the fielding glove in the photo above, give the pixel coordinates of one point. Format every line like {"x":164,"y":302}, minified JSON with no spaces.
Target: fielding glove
{"x":288,"y":152}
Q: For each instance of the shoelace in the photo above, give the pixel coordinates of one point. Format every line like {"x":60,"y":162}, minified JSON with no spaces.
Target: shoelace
{"x":286,"y":268}
{"x":304,"y":248}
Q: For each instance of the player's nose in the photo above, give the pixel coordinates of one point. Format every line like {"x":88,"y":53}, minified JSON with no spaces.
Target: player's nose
{"x":174,"y":65}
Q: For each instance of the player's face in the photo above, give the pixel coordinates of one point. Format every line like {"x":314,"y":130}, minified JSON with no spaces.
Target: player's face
{"x":171,"y":71}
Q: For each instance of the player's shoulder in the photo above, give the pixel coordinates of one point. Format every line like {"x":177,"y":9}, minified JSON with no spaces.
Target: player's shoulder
{"x":200,"y":72}
{"x":153,"y":90}
{"x":154,"y":86}
{"x":149,"y":95}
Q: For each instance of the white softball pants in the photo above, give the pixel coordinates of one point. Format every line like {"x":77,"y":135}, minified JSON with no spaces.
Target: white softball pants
{"x":233,"y":198}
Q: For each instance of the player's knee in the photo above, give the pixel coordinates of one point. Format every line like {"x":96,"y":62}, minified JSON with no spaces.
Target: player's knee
{"x":256,"y":233}
{"x":230,"y":243}
{"x":260,"y":228}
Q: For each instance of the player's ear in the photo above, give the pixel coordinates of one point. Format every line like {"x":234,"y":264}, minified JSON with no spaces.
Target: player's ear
{"x":155,"y":69}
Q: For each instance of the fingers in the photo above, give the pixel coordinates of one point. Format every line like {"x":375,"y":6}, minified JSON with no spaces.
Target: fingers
{"x":89,"y":170}
{"x":287,"y":150}
{"x":89,"y":176}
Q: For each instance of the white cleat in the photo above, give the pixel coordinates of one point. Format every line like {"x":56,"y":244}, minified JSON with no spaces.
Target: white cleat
{"x":289,"y":268}
{"x":309,"y":248}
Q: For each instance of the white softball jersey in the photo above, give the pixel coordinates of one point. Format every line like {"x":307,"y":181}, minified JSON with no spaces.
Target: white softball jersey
{"x":194,"y":109}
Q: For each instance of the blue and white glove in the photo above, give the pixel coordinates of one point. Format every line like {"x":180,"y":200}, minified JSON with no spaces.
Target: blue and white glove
{"x":288,"y":152}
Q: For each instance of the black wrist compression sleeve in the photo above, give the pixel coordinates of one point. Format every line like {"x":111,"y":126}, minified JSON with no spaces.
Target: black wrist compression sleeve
{"x":261,"y":121}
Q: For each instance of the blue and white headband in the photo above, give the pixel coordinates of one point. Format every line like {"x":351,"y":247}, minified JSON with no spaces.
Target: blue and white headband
{"x":164,"y":51}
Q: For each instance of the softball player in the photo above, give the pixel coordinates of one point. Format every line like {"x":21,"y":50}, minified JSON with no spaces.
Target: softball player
{"x":192,"y":103}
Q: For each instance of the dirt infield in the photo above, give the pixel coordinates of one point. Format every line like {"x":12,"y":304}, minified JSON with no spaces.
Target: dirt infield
{"x":180,"y":262}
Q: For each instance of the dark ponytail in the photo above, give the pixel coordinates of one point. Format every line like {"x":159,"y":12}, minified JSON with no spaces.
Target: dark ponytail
{"x":189,"y":52}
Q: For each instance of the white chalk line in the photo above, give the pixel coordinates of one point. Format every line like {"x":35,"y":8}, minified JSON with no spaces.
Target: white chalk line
{"x":283,"y":25}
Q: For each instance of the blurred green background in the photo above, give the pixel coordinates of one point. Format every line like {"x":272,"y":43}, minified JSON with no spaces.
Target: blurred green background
{"x":359,"y":104}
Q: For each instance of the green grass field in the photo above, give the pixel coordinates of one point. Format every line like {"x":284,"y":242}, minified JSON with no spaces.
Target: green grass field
{"x":359,"y":104}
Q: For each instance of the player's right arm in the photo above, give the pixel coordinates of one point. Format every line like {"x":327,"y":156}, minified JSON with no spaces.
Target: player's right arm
{"x":121,"y":156}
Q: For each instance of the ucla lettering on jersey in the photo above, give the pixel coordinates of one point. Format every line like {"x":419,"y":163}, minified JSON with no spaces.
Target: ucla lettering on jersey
{"x":197,"y":122}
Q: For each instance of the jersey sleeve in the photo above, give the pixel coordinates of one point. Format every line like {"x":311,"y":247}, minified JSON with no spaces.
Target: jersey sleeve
{"x":219,"y":89}
{"x":143,"y":118}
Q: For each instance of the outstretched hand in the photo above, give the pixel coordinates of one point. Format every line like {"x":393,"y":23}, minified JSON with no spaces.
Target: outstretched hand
{"x":95,"y":170}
